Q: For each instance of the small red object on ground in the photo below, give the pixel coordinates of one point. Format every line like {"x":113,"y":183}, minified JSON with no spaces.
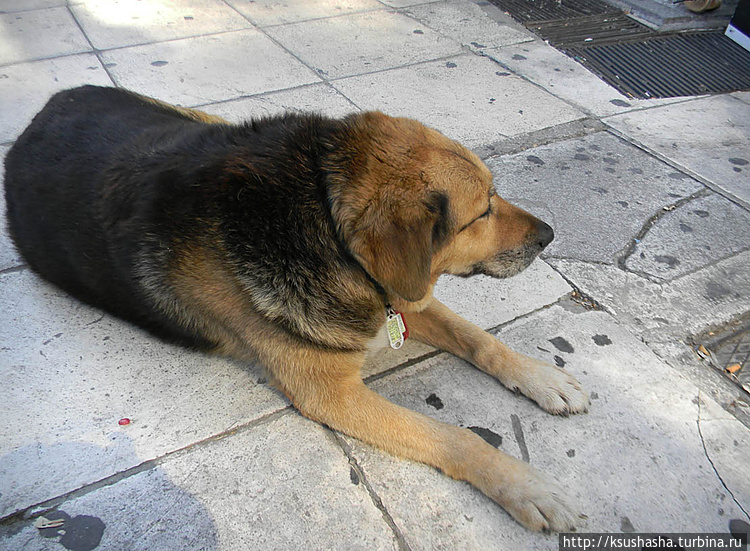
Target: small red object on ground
{"x":124,"y":421}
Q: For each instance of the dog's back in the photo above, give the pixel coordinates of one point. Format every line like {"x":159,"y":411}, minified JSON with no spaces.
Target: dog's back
{"x":111,"y":196}
{"x":57,"y":198}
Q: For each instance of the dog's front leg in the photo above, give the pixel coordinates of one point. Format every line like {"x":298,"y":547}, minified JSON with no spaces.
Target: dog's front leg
{"x":552,"y":388}
{"x":326,"y":387}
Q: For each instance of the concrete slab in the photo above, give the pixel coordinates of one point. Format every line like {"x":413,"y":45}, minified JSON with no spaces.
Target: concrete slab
{"x":405,"y":3}
{"x":484,"y":301}
{"x":26,"y":87}
{"x":489,"y":302}
{"x":196,"y":71}
{"x":639,"y":443}
{"x":71,"y":372}
{"x":17,"y":6}
{"x":728,"y":444}
{"x":668,"y":312}
{"x":467,"y":23}
{"x":115,"y":24}
{"x":743,"y":96}
{"x":319,"y":98}
{"x":707,"y":136}
{"x":9,"y":257}
{"x":597,"y":192}
{"x":693,"y":235}
{"x":361,"y":43}
{"x":468,"y":98}
{"x":234,"y":494}
{"x":23,"y":42}
{"x":278,"y":12}
{"x":565,"y":78}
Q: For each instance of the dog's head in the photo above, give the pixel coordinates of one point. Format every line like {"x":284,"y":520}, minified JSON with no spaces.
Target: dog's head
{"x":412,"y":204}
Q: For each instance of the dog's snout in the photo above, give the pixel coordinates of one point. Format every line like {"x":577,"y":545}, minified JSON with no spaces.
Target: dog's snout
{"x":545,"y":234}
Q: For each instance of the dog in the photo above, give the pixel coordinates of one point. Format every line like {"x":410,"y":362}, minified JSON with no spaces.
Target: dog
{"x":298,"y":241}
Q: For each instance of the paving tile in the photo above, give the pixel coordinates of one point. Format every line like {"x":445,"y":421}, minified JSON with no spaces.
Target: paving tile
{"x":565,"y":78}
{"x":667,"y":312}
{"x":405,"y":3}
{"x":73,"y":372}
{"x":597,"y":192}
{"x":468,"y":98}
{"x":728,"y":445}
{"x":638,"y":444}
{"x":318,"y":98}
{"x":112,"y":24}
{"x":9,"y":257}
{"x":489,"y":302}
{"x":484,"y":301}
{"x":467,"y":23}
{"x":277,"y":12}
{"x":694,"y":235}
{"x":16,"y":6}
{"x":22,"y":40}
{"x":282,"y":485}
{"x":196,"y":71}
{"x":26,"y":87}
{"x":362,"y":43}
{"x":707,"y":136}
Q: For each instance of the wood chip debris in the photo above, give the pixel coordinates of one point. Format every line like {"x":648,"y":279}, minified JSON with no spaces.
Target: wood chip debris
{"x":43,"y":523}
{"x":733,"y":368}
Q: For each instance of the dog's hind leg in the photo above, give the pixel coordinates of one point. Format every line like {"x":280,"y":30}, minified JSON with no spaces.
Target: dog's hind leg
{"x":326,"y":387}
{"x":553,"y":389}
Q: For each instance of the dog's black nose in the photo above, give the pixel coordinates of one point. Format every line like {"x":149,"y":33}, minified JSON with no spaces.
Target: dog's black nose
{"x":545,"y":234}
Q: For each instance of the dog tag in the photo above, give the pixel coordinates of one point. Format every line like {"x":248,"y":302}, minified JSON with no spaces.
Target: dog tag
{"x":401,"y":324}
{"x":393,"y":325}
{"x":396,"y":329}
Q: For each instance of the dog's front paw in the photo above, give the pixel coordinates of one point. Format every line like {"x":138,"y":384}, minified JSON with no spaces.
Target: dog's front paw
{"x":553,"y":389}
{"x":538,"y":503}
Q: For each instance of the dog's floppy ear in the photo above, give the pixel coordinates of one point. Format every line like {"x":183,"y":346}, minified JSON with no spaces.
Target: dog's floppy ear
{"x":395,"y":250}
{"x":380,"y":201}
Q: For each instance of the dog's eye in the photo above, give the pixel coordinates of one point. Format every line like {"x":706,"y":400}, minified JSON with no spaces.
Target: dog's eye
{"x":482,"y":216}
{"x":485,"y":214}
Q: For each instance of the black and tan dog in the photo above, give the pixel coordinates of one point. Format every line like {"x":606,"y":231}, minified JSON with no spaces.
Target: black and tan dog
{"x":288,"y":240}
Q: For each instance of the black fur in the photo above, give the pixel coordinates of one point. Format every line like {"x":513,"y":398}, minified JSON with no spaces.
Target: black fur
{"x":104,"y":186}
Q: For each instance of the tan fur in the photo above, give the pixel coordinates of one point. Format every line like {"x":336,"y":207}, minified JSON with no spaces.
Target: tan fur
{"x":188,"y":112}
{"x":379,"y":208}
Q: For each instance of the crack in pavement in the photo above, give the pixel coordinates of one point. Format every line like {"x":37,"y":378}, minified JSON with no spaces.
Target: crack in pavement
{"x":356,"y":467}
{"x":627,"y":252}
{"x":713,"y":466}
{"x":710,"y":264}
{"x":656,"y":280}
{"x":676,"y":164}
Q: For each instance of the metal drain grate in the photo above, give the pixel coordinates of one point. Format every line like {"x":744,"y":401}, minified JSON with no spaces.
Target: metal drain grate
{"x":636,"y":60}
{"x":548,"y":10}
{"x":670,"y":66}
{"x":590,"y":30}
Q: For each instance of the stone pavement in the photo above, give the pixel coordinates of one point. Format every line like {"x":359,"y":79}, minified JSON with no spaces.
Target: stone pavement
{"x":649,"y":200}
